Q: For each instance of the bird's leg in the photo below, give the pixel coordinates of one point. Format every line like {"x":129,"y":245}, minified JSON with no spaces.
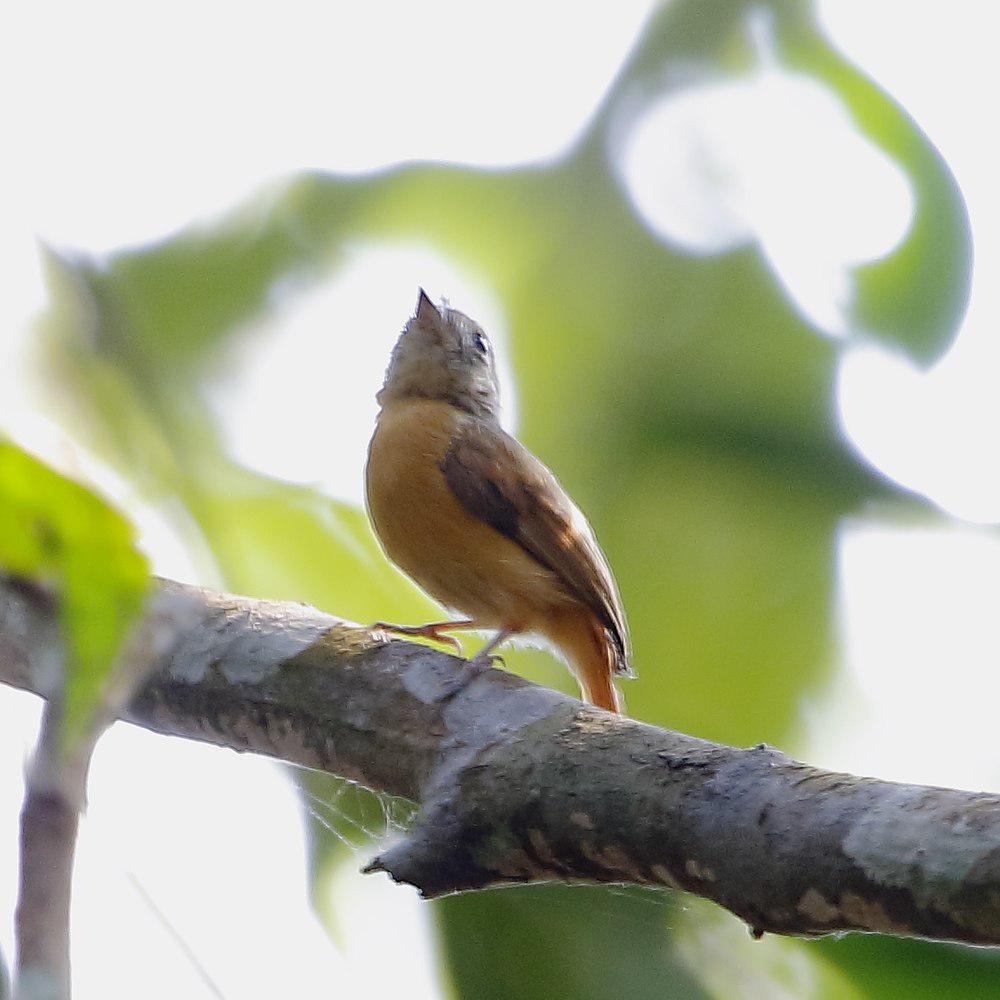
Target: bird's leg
{"x":433,"y":630}
{"x":486,"y":656}
{"x":480,"y":663}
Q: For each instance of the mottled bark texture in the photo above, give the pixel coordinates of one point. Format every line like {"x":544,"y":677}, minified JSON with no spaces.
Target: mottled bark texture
{"x":48,"y":843}
{"x":517,"y":783}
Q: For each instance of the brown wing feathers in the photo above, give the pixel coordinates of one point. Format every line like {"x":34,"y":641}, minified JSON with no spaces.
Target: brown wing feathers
{"x":499,"y":481}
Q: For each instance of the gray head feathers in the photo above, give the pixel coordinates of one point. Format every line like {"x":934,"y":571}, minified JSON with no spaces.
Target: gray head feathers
{"x":442,"y":354}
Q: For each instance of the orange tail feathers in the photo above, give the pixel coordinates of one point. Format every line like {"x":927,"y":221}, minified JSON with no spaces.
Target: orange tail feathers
{"x":585,"y":645}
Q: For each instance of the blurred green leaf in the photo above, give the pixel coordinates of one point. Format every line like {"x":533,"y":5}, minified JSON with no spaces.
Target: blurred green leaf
{"x":729,"y":584}
{"x":54,"y":531}
{"x":563,"y":941}
{"x":885,"y":968}
{"x":717,"y":948}
{"x":288,"y":542}
{"x":905,"y":298}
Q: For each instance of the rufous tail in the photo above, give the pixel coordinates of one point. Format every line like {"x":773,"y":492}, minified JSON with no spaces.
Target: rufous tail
{"x":590,"y":657}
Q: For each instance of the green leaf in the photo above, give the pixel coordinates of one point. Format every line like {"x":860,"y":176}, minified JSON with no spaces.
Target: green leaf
{"x":564,"y":941}
{"x":56,"y":532}
{"x":898,"y":969}
{"x":904,"y":298}
{"x":717,"y":948}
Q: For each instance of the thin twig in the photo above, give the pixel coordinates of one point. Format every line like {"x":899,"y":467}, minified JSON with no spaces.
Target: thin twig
{"x":55,"y":789}
{"x":175,"y":935}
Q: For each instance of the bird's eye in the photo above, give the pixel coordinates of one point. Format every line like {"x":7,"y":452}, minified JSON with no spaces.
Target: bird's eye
{"x":482,"y":345}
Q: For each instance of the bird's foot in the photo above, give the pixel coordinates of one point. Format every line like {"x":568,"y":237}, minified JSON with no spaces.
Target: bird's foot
{"x":467,"y":673}
{"x":434,"y":630}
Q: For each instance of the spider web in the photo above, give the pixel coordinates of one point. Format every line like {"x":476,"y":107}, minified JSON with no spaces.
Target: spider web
{"x":344,"y":817}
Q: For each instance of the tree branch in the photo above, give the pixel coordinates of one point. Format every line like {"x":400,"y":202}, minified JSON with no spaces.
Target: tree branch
{"x":49,"y":819}
{"x":518,"y":783}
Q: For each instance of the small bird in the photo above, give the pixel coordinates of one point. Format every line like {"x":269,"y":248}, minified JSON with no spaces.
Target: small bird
{"x":475,"y":519}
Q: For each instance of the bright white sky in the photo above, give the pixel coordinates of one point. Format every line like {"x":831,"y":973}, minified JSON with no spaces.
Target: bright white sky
{"x":133,"y":121}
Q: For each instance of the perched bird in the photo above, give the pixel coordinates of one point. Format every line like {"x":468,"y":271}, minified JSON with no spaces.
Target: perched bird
{"x":475,"y":519}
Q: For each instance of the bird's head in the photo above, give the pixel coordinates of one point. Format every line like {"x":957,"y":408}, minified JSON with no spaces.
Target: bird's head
{"x":442,"y":354}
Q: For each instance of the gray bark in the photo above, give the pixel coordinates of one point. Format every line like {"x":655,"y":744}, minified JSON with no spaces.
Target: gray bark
{"x":518,"y":783}
{"x":49,"y":821}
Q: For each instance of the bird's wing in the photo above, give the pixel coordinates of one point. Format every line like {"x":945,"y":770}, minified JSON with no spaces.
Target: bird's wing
{"x":500,"y":482}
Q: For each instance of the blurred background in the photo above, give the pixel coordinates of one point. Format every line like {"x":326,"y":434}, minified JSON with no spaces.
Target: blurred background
{"x":736,"y":258}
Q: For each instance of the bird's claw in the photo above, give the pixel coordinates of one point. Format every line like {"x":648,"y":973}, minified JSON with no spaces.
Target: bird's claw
{"x":448,"y":640}
{"x":434,"y":632}
{"x":466,"y":674}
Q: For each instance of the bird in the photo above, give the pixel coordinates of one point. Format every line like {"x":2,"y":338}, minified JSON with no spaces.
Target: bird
{"x":476,"y":520}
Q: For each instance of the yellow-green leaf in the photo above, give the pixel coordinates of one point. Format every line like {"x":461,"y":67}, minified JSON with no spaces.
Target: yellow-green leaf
{"x":56,"y":532}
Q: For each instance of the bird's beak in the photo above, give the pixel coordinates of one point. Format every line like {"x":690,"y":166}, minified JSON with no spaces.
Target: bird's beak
{"x":426,"y":311}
